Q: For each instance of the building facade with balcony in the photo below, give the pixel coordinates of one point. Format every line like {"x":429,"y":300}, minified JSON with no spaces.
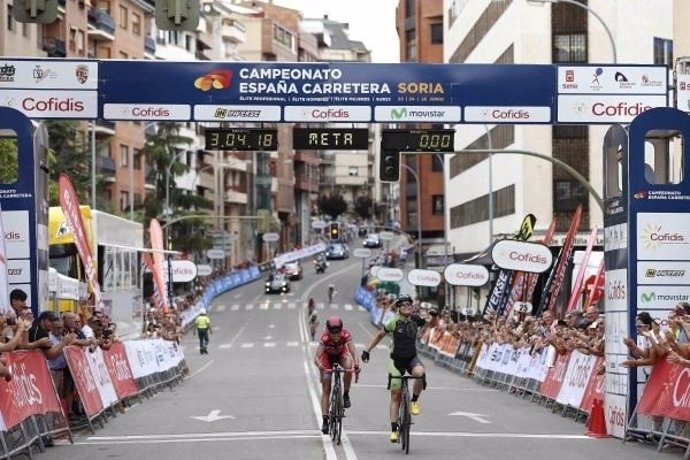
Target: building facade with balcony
{"x":420,"y":30}
{"x":19,"y":39}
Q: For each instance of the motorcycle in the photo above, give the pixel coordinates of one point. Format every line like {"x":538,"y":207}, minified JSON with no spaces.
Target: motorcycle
{"x":320,"y":266}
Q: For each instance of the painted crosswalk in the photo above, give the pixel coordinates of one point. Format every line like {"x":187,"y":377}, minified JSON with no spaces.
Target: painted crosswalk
{"x":265,"y":306}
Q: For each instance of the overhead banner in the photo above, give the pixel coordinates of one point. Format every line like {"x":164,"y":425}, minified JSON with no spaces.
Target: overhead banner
{"x":70,"y":207}
{"x":336,"y":92}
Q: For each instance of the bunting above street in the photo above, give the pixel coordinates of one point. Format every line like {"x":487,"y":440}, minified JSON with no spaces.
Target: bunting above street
{"x":331,"y":92}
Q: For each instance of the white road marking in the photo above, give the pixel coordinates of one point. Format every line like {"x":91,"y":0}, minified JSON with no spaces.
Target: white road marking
{"x":293,"y":344}
{"x":268,"y":337}
{"x":271,"y":326}
{"x":237,"y":296}
{"x":348,"y":307}
{"x":334,"y":306}
{"x":319,"y":306}
{"x":235,"y":307}
{"x":361,"y":308}
{"x":221,"y":308}
{"x":201,"y":369}
{"x":247,"y":345}
{"x":225,"y":346}
{"x":250,"y":306}
{"x":263,"y":306}
{"x":292,"y":306}
{"x":278,"y":306}
{"x":465,"y":434}
{"x":269,"y":344}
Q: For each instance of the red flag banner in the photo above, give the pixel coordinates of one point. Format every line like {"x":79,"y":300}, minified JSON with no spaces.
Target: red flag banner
{"x":577,"y":287}
{"x":554,"y":378}
{"x":595,"y":387}
{"x":156,"y":233}
{"x":120,"y":372}
{"x":70,"y":207}
{"x":31,"y":390}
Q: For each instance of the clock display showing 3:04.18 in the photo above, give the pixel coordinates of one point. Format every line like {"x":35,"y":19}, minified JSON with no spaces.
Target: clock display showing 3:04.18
{"x":241,"y":139}
{"x":419,"y":140}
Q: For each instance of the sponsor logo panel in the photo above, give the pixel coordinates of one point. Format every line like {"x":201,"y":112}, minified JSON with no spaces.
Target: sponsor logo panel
{"x":52,"y":104}
{"x":508,"y":114}
{"x":146,"y":112}
{"x":331,"y":114}
{"x":522,"y":256}
{"x":49,"y":74}
{"x":466,"y":275}
{"x":237,"y":113}
{"x":605,"y":109}
{"x":663,"y":273}
{"x":683,"y":92}
{"x":417,"y":113}
{"x":616,"y":290}
{"x":19,"y":271}
{"x":612,"y":80}
{"x":663,"y":236}
{"x":661,"y":297}
{"x":616,"y":237}
{"x":16,"y":227}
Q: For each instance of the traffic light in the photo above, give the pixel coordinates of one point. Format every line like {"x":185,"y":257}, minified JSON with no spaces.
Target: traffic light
{"x":389,"y":166}
{"x":335,"y":231}
{"x":177,"y":14}
{"x":38,"y":11}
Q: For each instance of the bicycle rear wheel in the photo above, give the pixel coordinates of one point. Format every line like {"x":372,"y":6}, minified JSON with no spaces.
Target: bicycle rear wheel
{"x":339,"y":417}
{"x":406,"y":434}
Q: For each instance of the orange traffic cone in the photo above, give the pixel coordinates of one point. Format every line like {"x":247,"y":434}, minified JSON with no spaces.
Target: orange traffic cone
{"x":596,"y":426}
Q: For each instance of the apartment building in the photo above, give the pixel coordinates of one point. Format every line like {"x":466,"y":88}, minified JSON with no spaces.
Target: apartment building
{"x":530,"y":32}
{"x":420,"y":29}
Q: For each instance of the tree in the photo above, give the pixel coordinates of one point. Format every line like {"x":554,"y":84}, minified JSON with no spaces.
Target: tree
{"x":333,"y":205}
{"x":9,"y":167}
{"x":71,"y":151}
{"x":364,"y":207}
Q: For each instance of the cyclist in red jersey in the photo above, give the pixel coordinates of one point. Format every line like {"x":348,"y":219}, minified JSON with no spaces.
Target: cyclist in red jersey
{"x":335,"y":345}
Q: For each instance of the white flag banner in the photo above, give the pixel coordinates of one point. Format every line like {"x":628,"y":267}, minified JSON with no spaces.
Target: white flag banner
{"x":4,"y":289}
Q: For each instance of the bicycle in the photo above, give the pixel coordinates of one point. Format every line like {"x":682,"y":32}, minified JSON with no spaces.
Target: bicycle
{"x":336,"y":409}
{"x":404,"y":417}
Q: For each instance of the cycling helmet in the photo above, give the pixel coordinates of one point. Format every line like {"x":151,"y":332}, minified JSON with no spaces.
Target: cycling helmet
{"x":403,"y":299}
{"x":334,"y":324}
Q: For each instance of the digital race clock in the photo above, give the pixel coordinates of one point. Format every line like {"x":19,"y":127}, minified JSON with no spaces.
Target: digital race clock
{"x":241,"y":139}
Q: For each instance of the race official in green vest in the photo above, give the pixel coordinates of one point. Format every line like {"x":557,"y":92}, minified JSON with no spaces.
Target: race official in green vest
{"x":203,"y":328}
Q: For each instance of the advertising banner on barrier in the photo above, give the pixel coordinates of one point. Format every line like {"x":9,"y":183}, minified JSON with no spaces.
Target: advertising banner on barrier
{"x":120,"y":372}
{"x":554,"y":379}
{"x":595,"y":387}
{"x":666,"y":392}
{"x":576,"y":378}
{"x":84,"y":381}
{"x":31,"y":390}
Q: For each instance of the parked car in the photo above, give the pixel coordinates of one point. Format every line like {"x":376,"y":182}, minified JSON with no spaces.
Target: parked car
{"x":372,"y":241}
{"x":293,"y":270}
{"x":277,"y":282}
{"x":337,"y":251}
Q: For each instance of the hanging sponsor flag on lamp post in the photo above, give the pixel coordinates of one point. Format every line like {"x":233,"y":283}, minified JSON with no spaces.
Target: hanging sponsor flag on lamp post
{"x":70,"y":207}
{"x":4,"y":287}
{"x":156,"y":233}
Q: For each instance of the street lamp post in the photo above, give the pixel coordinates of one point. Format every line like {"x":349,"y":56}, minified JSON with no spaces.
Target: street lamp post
{"x":594,"y":13}
{"x":419,"y":211}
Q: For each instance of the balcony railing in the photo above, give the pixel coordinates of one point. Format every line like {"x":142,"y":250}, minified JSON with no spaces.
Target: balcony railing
{"x":149,"y":45}
{"x":106,"y":165}
{"x":103,"y":25}
{"x":54,"y":47}
{"x":234,"y":31}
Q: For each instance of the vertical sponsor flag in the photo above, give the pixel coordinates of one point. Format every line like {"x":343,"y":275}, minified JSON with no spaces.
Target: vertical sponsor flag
{"x":156,"y":233}
{"x":596,"y":289}
{"x":524,"y":284}
{"x":4,"y":287}
{"x":70,"y":207}
{"x":497,"y":295}
{"x":553,"y":285}
{"x":577,"y":287}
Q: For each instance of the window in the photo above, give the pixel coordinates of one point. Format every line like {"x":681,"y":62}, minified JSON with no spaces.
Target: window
{"x":353,"y":171}
{"x":411,"y":46}
{"x":663,"y":51}
{"x":437,"y":203}
{"x":569,"y":48}
{"x":477,"y":210}
{"x":123,"y":17}
{"x":136,"y":24}
{"x":567,"y":194}
{"x":437,"y":163}
{"x":80,"y":42}
{"x":124,"y":155}
{"x":189,"y":43}
{"x":136,"y":153}
{"x":10,"y":19}
{"x":72,"y":39}
{"x":124,"y":200}
{"x":436,"y":34}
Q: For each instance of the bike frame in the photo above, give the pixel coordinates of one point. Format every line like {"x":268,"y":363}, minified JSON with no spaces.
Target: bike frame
{"x":404,"y":416}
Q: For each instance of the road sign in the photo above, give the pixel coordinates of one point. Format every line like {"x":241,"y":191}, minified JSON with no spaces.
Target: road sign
{"x":330,"y":139}
{"x":271,"y":237}
{"x":318,"y":225}
{"x":203,"y":270}
{"x":386,"y":236}
{"x":215,"y":254}
{"x":362,"y":253}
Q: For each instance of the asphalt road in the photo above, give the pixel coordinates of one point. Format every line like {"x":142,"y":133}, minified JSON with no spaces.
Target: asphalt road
{"x":255,"y":395}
